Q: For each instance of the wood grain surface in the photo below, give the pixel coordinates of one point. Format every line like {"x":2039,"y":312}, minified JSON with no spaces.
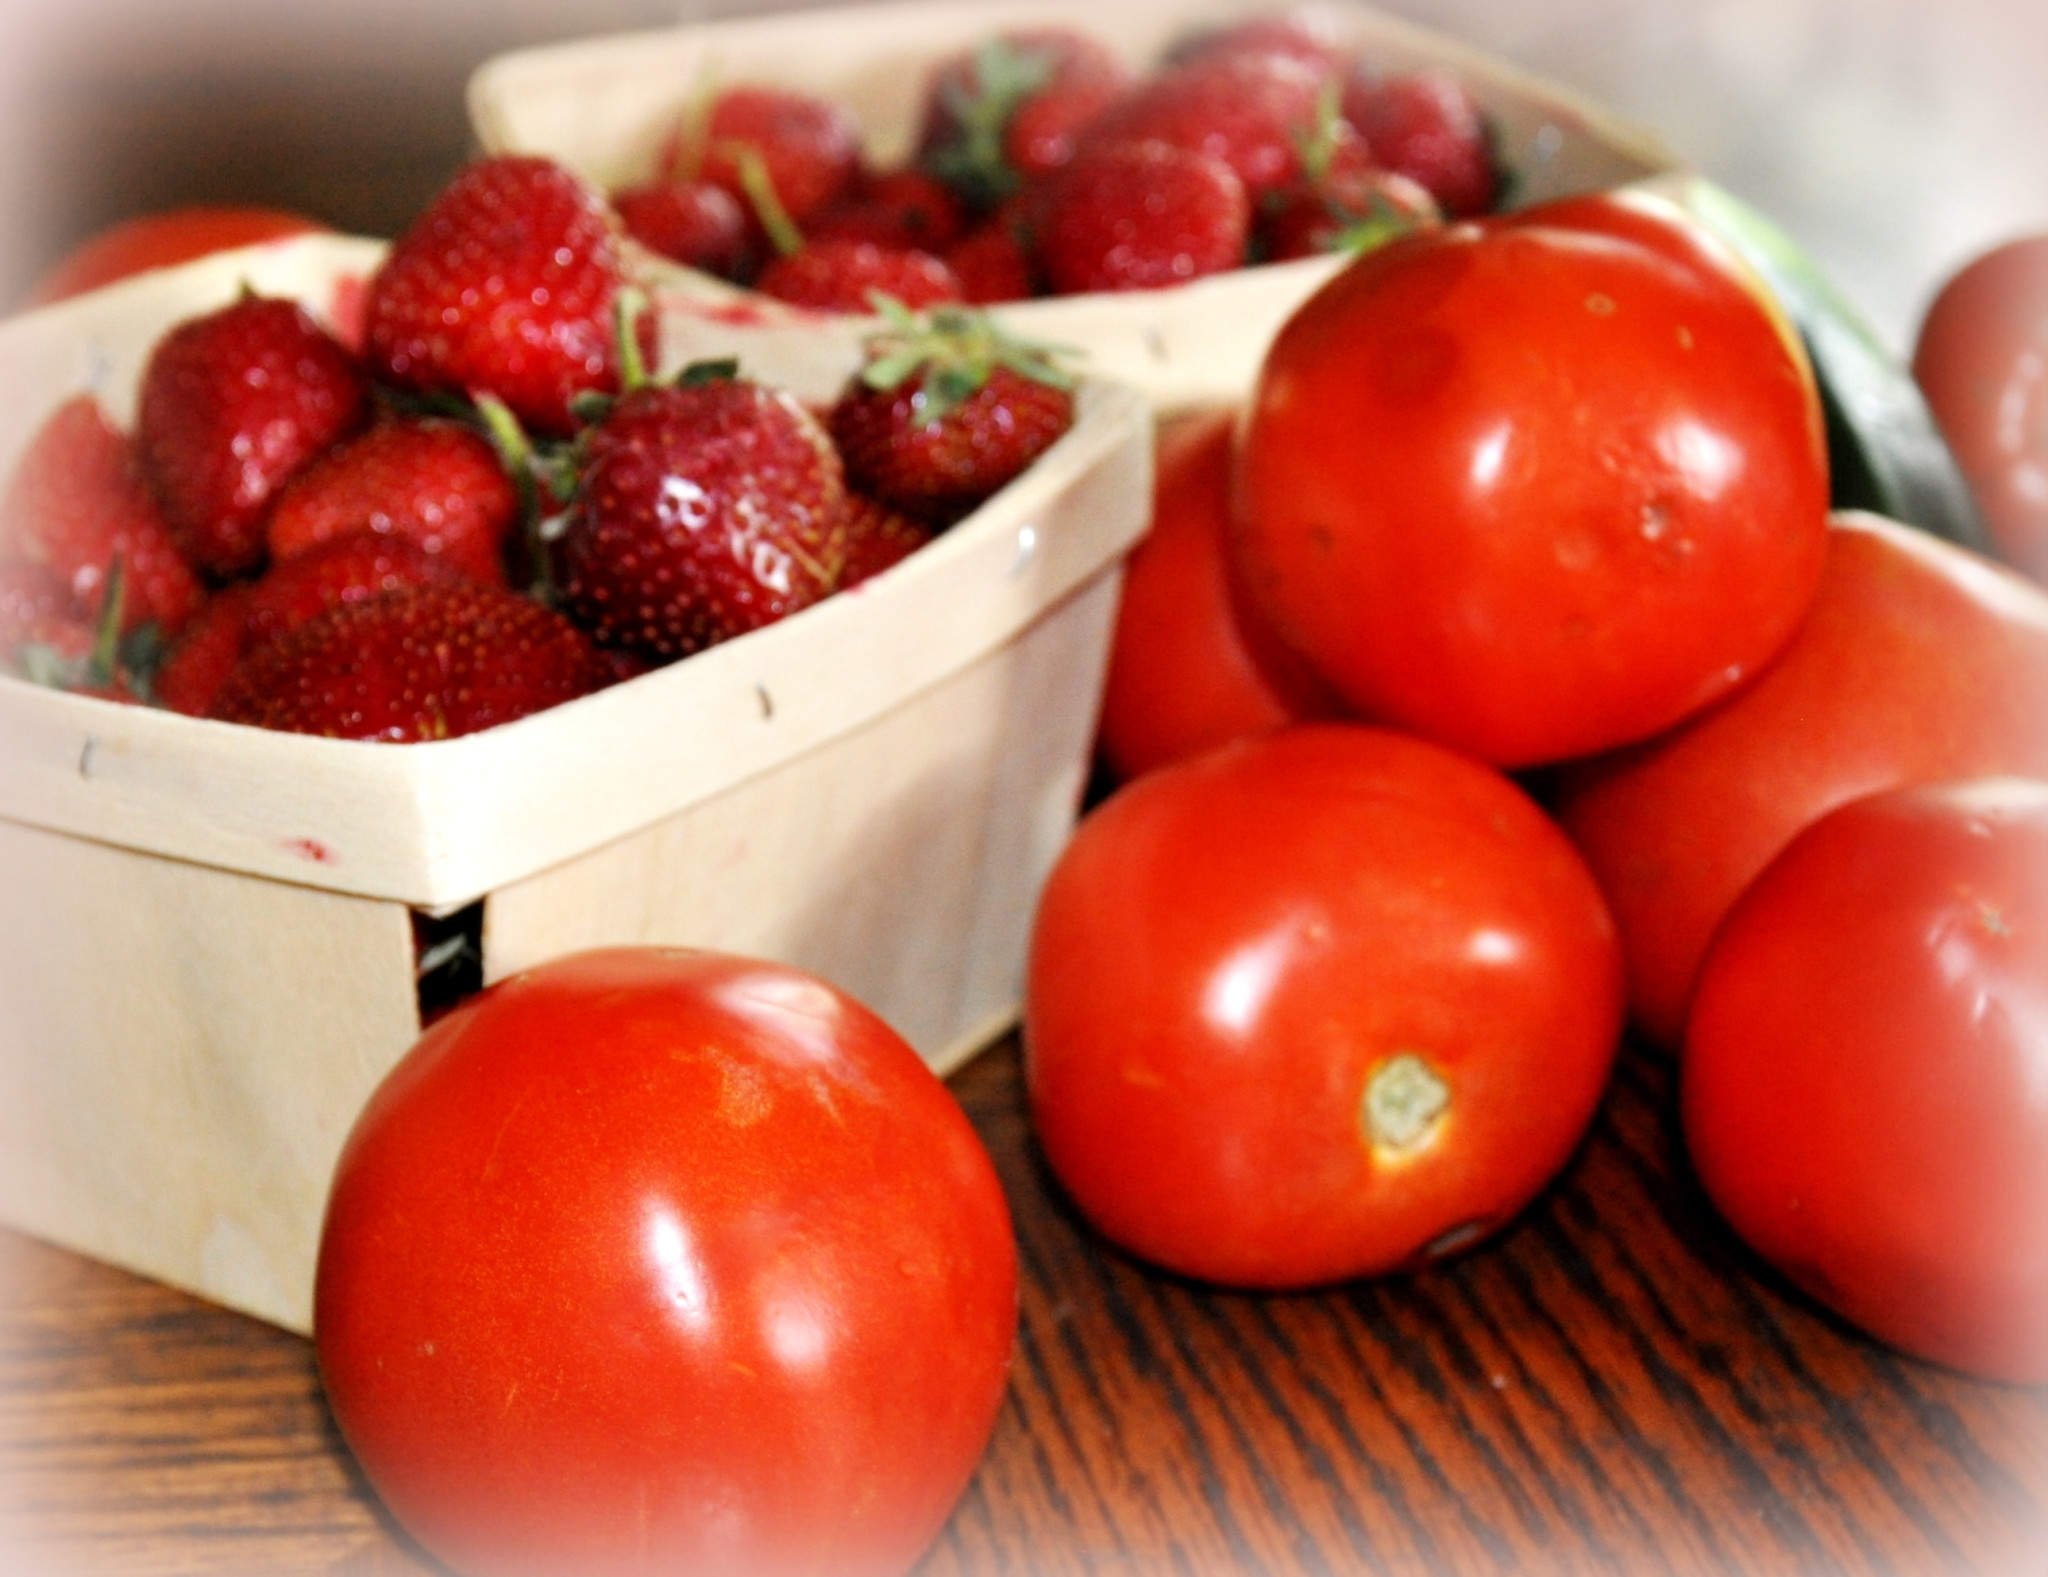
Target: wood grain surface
{"x":1613,"y":1386}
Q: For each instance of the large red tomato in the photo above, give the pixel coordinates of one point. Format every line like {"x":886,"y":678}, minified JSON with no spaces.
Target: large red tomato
{"x":1981,"y":358}
{"x":1865,"y":1082}
{"x":150,"y":241}
{"x":1920,"y":661}
{"x":1186,"y":671}
{"x":649,"y":1260}
{"x":1325,"y":1003}
{"x":1538,"y":487}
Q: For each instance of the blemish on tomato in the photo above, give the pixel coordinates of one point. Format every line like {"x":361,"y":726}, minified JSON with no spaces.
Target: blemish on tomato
{"x":1406,"y":1102}
{"x":312,"y":849}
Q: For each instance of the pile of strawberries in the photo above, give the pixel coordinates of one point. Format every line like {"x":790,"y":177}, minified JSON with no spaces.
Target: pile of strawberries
{"x":486,"y":505}
{"x":1044,"y":165}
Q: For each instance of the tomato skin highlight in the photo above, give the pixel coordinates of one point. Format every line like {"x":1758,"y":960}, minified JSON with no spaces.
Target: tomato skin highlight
{"x":1188,"y":671}
{"x":1865,"y":1082}
{"x":657,"y":1260}
{"x":1981,"y":359}
{"x":1920,"y":661}
{"x":1320,"y":1004}
{"x":1533,"y":489}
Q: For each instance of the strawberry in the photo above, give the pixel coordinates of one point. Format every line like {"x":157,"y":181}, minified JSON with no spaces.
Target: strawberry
{"x":993,"y":263}
{"x":1134,"y":216}
{"x":1343,"y":202}
{"x":945,"y":410}
{"x":1427,"y":126}
{"x":1009,"y":111}
{"x":232,"y":404}
{"x":506,"y":284}
{"x":422,"y":662}
{"x":689,"y":222}
{"x":842,"y":276}
{"x":905,"y":209}
{"x":1307,"y":35}
{"x":77,"y":502}
{"x":704,"y":508}
{"x":807,"y":146}
{"x":877,"y":537}
{"x":209,"y":649}
{"x":39,"y":619}
{"x":435,"y":482}
{"x":351,"y":568}
{"x":1252,"y":111}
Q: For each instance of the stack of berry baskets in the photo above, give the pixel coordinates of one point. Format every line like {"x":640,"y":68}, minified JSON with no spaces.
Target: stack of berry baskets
{"x":219,"y":928}
{"x":755,"y":156}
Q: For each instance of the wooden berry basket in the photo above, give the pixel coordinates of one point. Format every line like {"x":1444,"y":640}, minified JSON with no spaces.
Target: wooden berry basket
{"x":206,"y":948}
{"x":603,"y":106}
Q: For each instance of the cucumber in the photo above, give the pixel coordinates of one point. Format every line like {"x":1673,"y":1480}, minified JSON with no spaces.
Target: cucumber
{"x":1885,"y":453}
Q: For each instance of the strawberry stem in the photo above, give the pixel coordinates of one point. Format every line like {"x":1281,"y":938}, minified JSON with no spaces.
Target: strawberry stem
{"x":627,"y":311}
{"x":516,"y":455}
{"x":759,"y":187}
{"x":105,"y":661}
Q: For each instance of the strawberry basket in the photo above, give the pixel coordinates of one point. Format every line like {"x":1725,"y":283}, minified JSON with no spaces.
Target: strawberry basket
{"x":605,"y":106}
{"x":207,"y":932}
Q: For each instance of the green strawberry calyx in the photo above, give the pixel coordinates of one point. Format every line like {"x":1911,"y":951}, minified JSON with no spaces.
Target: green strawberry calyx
{"x":951,"y":352}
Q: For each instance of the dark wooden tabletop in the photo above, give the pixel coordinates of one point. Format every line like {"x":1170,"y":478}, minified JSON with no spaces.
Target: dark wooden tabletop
{"x":1612,"y":1386}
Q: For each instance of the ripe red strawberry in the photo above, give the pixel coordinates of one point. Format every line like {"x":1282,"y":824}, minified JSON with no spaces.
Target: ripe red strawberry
{"x":1308,"y":35}
{"x":37,"y":610}
{"x":704,"y":509}
{"x":1135,"y":216}
{"x":689,"y":222}
{"x":993,"y":263}
{"x":231,"y":405}
{"x":808,"y":147}
{"x":1252,"y":111}
{"x":1009,"y":110}
{"x":843,"y":276}
{"x":351,"y":568}
{"x":423,"y":662}
{"x":438,"y":483}
{"x":210,"y":648}
{"x":1427,"y":126}
{"x":1348,"y":210}
{"x":904,"y":209}
{"x":947,"y":409}
{"x":77,"y":502}
{"x":876,"y":537}
{"x":506,"y":284}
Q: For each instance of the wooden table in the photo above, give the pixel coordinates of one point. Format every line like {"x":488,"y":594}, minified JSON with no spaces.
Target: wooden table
{"x":1613,"y":1386}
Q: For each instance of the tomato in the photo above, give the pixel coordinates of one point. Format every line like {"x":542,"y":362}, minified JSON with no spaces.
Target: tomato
{"x":1324,"y":1003}
{"x":1532,"y":488}
{"x":1865,"y":1081}
{"x":1981,"y":358}
{"x":652,"y":1260}
{"x":1186,"y":670}
{"x":1920,"y":661}
{"x":158,"y":240}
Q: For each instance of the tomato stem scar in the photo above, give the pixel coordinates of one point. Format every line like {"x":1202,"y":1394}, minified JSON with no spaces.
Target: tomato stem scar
{"x":1405,"y":1102}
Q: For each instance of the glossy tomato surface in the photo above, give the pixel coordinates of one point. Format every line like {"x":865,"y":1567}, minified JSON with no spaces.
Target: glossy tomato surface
{"x":1865,"y":1081}
{"x":1321,"y":1004}
{"x":1531,"y":488}
{"x":1920,"y":661}
{"x":135,"y":246}
{"x":660,"y":1261}
{"x":1187,"y":671}
{"x":1981,"y":359}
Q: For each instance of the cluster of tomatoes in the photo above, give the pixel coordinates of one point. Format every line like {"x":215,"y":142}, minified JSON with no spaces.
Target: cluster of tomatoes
{"x":1496,"y":674}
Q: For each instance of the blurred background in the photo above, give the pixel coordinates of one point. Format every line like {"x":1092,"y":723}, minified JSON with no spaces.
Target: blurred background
{"x":1892,"y":138}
